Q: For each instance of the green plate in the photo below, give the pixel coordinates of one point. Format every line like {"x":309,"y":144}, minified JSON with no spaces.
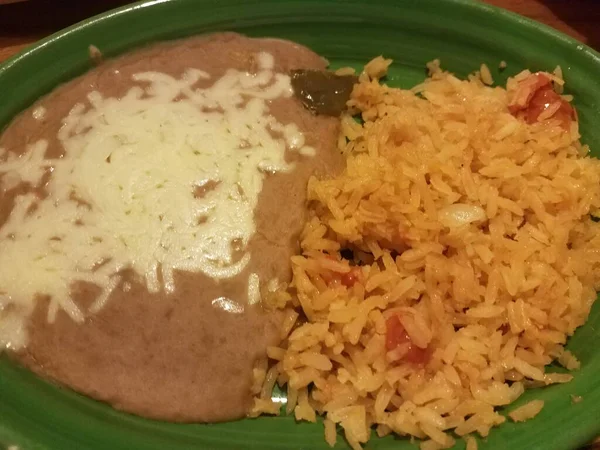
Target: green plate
{"x":36,"y":415}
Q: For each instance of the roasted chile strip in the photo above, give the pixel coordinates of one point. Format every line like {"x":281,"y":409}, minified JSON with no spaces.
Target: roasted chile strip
{"x":322,"y":92}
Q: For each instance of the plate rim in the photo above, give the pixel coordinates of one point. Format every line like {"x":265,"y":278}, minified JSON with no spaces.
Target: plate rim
{"x":482,"y":8}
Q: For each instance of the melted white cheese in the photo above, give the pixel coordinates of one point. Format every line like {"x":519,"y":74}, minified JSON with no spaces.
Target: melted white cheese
{"x":253,"y":289}
{"x":165,"y":178}
{"x":228,"y":305}
{"x":39,"y":113}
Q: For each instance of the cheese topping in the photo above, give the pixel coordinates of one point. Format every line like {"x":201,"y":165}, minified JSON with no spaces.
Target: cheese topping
{"x":253,"y":289}
{"x":39,"y":113}
{"x":165,"y":178}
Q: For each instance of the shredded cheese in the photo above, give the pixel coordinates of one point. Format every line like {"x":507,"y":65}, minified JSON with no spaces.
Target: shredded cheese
{"x":39,"y":113}
{"x":228,"y":305}
{"x":165,"y":178}
{"x":253,"y":289}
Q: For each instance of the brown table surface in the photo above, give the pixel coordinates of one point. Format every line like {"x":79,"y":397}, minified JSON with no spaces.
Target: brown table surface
{"x":22,"y":22}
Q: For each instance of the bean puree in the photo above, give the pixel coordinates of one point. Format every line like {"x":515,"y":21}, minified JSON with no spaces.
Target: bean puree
{"x":178,"y":357}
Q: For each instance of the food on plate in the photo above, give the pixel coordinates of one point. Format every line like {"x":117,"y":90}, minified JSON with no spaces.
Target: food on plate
{"x":528,"y":411}
{"x":187,"y":225}
{"x":322,"y":91}
{"x":145,"y":208}
{"x":446,"y":267}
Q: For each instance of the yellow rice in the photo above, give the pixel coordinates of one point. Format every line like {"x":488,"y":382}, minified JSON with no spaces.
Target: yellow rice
{"x":528,"y":411}
{"x":475,"y":228}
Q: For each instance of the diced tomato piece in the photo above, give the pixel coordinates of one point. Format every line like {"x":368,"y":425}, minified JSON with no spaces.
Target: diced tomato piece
{"x":419,"y":356}
{"x":396,"y":335}
{"x":350,"y":278}
{"x":535,"y":95}
{"x":526,"y":90}
{"x":544,"y":99}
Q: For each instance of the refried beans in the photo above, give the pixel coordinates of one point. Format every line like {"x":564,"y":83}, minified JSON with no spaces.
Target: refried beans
{"x":177,"y":356}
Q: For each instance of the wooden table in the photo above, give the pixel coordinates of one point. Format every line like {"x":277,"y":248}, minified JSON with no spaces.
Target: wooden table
{"x":22,"y":22}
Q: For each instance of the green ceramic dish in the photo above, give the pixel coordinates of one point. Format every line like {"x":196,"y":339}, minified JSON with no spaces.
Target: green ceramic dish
{"x":36,"y":415}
